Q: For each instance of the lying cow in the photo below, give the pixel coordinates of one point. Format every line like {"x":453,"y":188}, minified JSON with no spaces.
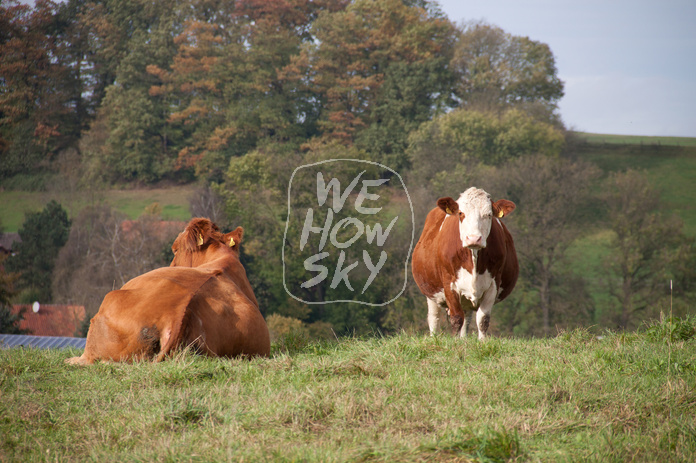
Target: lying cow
{"x":203,"y":299}
{"x":465,"y":255}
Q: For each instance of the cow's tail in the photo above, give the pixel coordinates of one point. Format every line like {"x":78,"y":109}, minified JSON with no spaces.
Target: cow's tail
{"x":174,"y":332}
{"x":172,"y":335}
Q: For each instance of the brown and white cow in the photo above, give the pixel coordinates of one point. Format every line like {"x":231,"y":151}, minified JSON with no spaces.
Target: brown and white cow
{"x":203,"y":300}
{"x":465,"y":259}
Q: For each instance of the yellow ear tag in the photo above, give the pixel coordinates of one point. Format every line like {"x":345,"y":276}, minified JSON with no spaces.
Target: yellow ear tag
{"x":449,"y":211}
{"x":232,"y":243}
{"x":200,"y":240}
{"x":501,"y":214}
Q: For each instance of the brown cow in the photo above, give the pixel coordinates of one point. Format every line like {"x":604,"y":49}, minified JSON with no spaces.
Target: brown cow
{"x":203,"y":299}
{"x":465,"y":253}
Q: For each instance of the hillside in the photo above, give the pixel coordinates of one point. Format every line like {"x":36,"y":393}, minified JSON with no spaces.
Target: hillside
{"x":624,"y":397}
{"x":669,"y":161}
{"x":173,"y":200}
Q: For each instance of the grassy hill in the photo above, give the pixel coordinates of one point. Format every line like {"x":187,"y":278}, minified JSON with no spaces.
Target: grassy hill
{"x":174,"y":202}
{"x":670,"y":163}
{"x":625,"y":397}
{"x":598,"y":138}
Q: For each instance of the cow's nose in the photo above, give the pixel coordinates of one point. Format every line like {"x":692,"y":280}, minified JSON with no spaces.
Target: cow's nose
{"x":474,"y":240}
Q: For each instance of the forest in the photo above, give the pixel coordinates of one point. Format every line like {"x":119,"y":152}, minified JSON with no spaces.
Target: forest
{"x":232,"y":97}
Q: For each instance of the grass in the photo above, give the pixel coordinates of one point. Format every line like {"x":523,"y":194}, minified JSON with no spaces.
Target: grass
{"x":174,"y":202}
{"x":403,"y":398}
{"x":635,"y":139}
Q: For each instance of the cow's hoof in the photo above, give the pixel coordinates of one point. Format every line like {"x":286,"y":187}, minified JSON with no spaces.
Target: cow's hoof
{"x":457,"y":322}
{"x":76,"y":361}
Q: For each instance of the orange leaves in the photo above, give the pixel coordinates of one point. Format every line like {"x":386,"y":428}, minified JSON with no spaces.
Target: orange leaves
{"x":45,"y":131}
{"x":220,"y":137}
{"x":190,"y":114}
{"x":357,"y":46}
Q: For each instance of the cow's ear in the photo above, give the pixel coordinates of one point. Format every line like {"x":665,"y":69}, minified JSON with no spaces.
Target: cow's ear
{"x":503,"y":207}
{"x":233,"y":238}
{"x":448,"y":205}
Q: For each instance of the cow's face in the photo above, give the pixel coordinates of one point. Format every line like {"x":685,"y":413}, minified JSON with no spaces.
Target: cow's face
{"x":475,"y":213}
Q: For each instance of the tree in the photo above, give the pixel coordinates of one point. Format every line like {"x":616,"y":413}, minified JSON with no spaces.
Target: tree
{"x":105,"y":250}
{"x":230,"y":86}
{"x":471,"y":137}
{"x":380,"y":68}
{"x":257,"y":187}
{"x":43,"y":234}
{"x":128,"y":37}
{"x":497,"y":70}
{"x":552,"y":195}
{"x":9,"y":321}
{"x":41,"y":109}
{"x":646,"y":249}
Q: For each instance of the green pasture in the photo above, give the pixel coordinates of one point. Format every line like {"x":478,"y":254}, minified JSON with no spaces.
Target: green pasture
{"x":576,"y":397}
{"x":599,"y":138}
{"x":670,"y":169}
{"x":174,"y":202}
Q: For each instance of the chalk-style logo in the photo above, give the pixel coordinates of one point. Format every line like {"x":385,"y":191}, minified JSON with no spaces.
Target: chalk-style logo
{"x":349,"y":233}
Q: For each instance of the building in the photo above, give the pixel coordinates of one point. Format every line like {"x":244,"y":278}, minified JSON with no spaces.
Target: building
{"x":51,"y":319}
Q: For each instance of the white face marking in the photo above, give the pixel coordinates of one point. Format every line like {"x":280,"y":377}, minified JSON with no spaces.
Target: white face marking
{"x":478,"y":215}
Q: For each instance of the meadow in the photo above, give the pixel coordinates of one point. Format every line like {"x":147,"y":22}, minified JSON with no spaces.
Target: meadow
{"x":671,"y":169}
{"x":597,"y":138}
{"x":574,"y":397}
{"x":173,"y":200}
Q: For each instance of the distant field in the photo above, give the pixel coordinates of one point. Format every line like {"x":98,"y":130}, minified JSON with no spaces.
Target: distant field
{"x":670,"y":168}
{"x":670,"y":163}
{"x":635,"y":139}
{"x":174,"y":202}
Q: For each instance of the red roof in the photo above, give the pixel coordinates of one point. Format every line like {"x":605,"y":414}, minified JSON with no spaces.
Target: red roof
{"x":51,"y":319}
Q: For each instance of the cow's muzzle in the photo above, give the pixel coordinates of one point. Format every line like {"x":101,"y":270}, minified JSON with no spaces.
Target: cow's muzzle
{"x":474,"y":241}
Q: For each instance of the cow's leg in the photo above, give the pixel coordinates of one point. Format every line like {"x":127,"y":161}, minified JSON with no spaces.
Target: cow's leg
{"x":433,"y":316}
{"x":467,"y":322}
{"x":483,"y":315}
{"x":454,"y":310}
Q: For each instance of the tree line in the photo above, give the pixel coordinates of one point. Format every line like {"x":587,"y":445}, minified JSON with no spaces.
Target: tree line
{"x":174,"y":90}
{"x":236,"y":95}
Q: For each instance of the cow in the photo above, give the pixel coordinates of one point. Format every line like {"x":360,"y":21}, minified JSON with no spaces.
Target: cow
{"x":203,"y":300}
{"x":465,"y":259}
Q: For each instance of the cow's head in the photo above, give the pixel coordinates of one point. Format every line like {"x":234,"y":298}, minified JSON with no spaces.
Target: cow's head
{"x":202,"y":241}
{"x":475,"y":212}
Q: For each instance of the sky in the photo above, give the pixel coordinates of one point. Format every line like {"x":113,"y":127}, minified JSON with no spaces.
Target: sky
{"x":629,"y":67}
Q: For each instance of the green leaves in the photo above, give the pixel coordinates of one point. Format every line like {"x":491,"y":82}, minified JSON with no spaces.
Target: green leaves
{"x":43,"y":234}
{"x":485,"y":137}
{"x":496,"y":69}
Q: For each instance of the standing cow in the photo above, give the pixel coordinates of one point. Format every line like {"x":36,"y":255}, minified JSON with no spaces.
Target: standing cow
{"x":203,"y":299}
{"x":465,"y":256}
